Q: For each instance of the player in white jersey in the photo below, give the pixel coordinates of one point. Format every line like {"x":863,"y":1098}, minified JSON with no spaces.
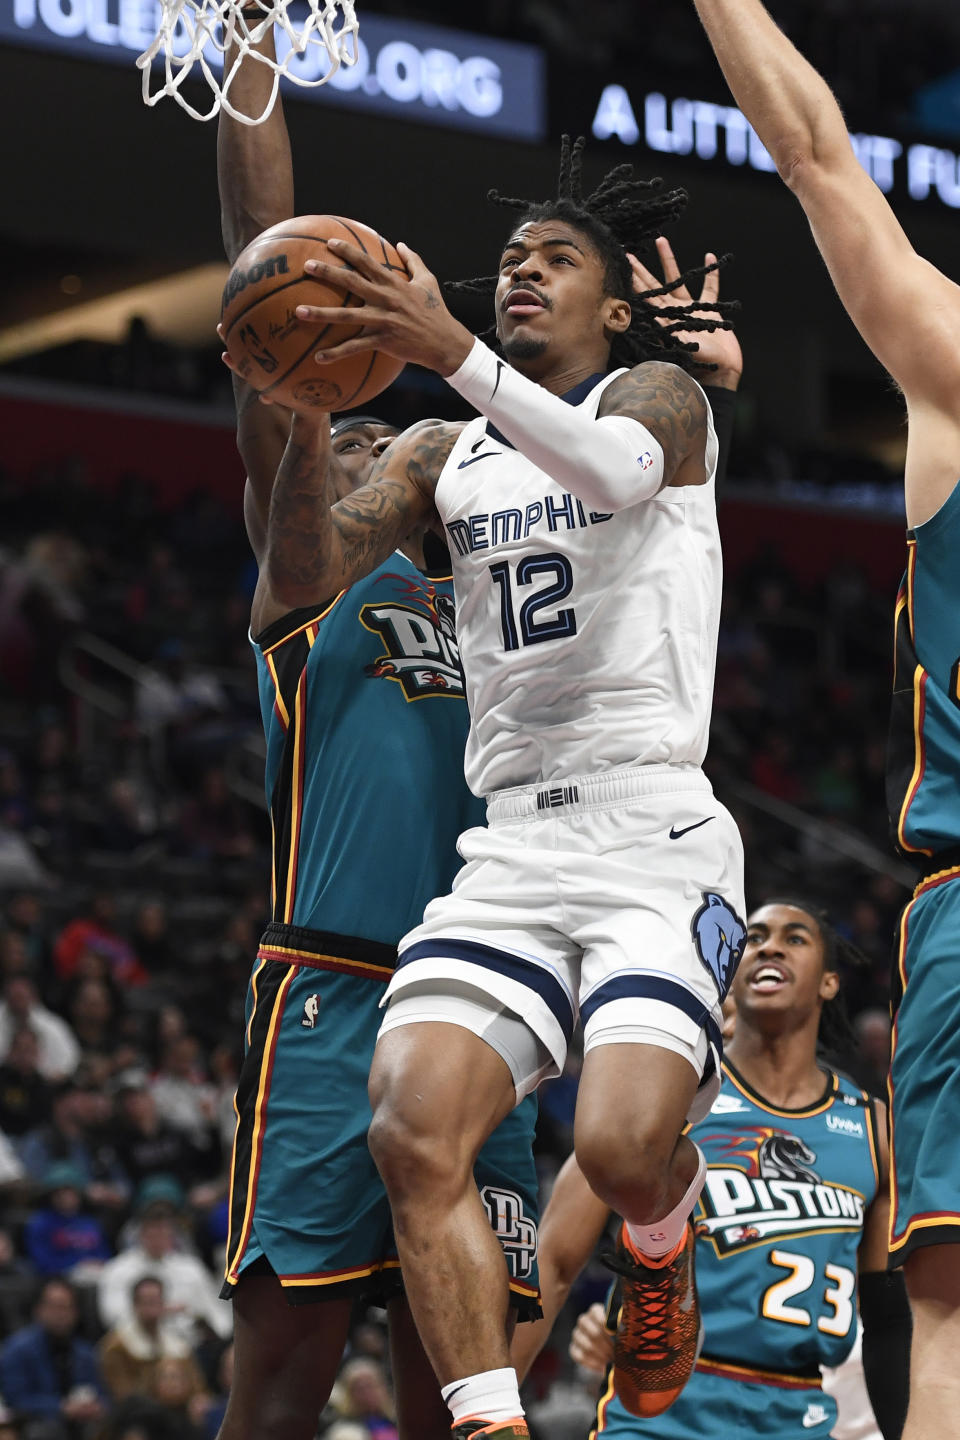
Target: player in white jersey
{"x":607,"y":885}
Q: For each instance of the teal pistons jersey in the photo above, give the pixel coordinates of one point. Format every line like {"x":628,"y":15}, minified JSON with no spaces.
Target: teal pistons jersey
{"x":365,"y":721}
{"x":923,"y":784}
{"x":778,"y":1224}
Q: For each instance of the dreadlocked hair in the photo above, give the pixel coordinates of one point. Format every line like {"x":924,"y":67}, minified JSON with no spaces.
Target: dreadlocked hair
{"x":622,"y":214}
{"x":835,"y":1036}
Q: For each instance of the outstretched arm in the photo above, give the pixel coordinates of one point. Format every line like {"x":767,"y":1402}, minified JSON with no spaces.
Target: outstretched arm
{"x":255,"y":181}
{"x":905,"y":309}
{"x":571,"y":1226}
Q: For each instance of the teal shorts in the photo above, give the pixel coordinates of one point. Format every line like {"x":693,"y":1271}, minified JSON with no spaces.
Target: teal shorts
{"x":722,"y":1406}
{"x":925,"y":1070}
{"x":305,"y":1196}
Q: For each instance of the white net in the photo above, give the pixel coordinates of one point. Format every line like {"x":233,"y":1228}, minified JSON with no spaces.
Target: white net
{"x":195,"y":35}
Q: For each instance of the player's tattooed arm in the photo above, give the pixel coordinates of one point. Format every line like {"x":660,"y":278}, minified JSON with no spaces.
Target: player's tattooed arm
{"x":672,"y":407}
{"x":399,"y":498}
{"x":317,"y":545}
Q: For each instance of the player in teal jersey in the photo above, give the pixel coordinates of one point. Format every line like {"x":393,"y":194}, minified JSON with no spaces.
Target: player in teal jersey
{"x":908,"y":312}
{"x":794,"y":1205}
{"x":365,"y":721}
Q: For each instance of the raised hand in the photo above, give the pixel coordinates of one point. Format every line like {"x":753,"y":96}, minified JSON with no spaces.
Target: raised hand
{"x":404,"y":316}
{"x":716,"y":347}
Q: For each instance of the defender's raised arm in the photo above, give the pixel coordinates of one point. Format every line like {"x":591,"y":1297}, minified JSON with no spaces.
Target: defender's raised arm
{"x":905,"y":309}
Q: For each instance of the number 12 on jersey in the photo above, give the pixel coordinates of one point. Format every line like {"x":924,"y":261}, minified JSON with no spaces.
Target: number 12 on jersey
{"x":524,"y":628}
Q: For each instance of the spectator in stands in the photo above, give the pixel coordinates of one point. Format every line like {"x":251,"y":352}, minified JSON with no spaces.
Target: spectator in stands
{"x":24,"y":918}
{"x":60,"y":1236}
{"x":151,"y":1146}
{"x":179,"y":1387}
{"x":363,"y":1395}
{"x":151,"y":937}
{"x":14,"y":955}
{"x":218,"y":1402}
{"x":72,"y":1135}
{"x":49,"y":1377}
{"x":94,"y":1009}
{"x":872,"y":1063}
{"x":18,"y":1286}
{"x":59,"y":1051}
{"x":25,"y":1094}
{"x":132,"y":1350}
{"x":213,"y":824}
{"x":183,"y":1092}
{"x":192,"y":1293}
{"x":94,"y":930}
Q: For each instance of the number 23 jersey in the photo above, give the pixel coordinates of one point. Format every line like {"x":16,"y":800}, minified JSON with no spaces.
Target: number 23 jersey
{"x":588,"y":640}
{"x":778,"y":1225}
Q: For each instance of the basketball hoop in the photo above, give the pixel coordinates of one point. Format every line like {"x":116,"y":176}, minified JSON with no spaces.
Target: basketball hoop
{"x":310,"y":49}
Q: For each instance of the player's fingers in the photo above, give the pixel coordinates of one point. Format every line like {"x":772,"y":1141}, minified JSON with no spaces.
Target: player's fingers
{"x":417,"y":269}
{"x":220,"y":333}
{"x":341,"y":278}
{"x":357,"y":259}
{"x":329,"y":314}
{"x":225,"y":357}
{"x":711,"y":283}
{"x":643,"y":279}
{"x":668,"y":261}
{"x":343,"y":348}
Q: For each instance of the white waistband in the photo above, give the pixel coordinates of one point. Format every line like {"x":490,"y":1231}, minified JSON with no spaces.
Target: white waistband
{"x":593,"y":792}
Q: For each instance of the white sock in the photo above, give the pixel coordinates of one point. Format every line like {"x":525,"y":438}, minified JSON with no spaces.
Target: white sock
{"x":494,"y":1395}
{"x":664,"y":1235}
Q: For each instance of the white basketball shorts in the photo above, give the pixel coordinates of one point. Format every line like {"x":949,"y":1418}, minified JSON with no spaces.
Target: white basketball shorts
{"x":615,"y":899}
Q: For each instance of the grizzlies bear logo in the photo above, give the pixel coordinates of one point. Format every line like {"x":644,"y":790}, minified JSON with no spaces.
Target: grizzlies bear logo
{"x":719,"y":935}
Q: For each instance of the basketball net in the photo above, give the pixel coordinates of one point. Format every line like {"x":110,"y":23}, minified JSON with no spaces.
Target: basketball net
{"x":310,"y":50}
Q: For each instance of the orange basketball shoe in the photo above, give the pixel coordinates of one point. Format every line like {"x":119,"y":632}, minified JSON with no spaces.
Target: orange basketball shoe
{"x":659,"y":1332}
{"x":476,"y":1426}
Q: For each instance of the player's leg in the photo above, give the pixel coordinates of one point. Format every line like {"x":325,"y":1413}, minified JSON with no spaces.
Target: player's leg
{"x":925,"y":1183}
{"x":437,"y":1092}
{"x":635,"y":1157}
{"x":285,"y":1361}
{"x":309,"y":1219}
{"x":453,"y":1057}
{"x":659,"y":954}
{"x":421,"y":1412}
{"x":933,"y":1283}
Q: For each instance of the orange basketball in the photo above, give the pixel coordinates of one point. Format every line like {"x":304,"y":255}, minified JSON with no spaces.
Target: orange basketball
{"x":271,"y":349}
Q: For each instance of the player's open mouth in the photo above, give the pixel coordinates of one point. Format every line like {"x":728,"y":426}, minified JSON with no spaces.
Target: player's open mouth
{"x":767,"y":978}
{"x":523,"y":302}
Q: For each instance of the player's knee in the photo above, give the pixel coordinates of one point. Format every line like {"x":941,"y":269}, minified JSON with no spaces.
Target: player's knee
{"x":412,"y":1160}
{"x":632,"y":1177}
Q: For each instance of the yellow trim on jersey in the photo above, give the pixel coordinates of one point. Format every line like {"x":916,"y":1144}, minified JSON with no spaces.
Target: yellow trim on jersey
{"x":873,"y":1139}
{"x":918,"y":763}
{"x":930,"y":881}
{"x":764,"y":1104}
{"x":928,"y":1222}
{"x":296,"y":798}
{"x":305,"y":626}
{"x":284,"y":952}
{"x":782,"y":1378}
{"x":602,"y":1404}
{"x":277,"y":697}
{"x":256,"y":1139}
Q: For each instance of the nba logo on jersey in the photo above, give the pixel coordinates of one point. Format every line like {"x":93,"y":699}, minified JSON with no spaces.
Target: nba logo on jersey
{"x":645,"y":460}
{"x":311,"y":1009}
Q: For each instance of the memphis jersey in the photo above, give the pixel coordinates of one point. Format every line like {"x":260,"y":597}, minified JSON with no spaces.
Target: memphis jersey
{"x":778,"y":1224}
{"x":923,"y":787}
{"x":588,"y":640}
{"x":365,"y":721}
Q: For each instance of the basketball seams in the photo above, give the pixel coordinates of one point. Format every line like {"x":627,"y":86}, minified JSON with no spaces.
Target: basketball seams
{"x":279,"y":289}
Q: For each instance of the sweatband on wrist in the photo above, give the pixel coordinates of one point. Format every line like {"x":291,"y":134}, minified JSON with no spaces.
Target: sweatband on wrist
{"x":610,"y":463}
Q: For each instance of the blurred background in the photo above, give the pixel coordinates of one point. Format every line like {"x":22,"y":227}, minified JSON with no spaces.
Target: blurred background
{"x":133,"y":831}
